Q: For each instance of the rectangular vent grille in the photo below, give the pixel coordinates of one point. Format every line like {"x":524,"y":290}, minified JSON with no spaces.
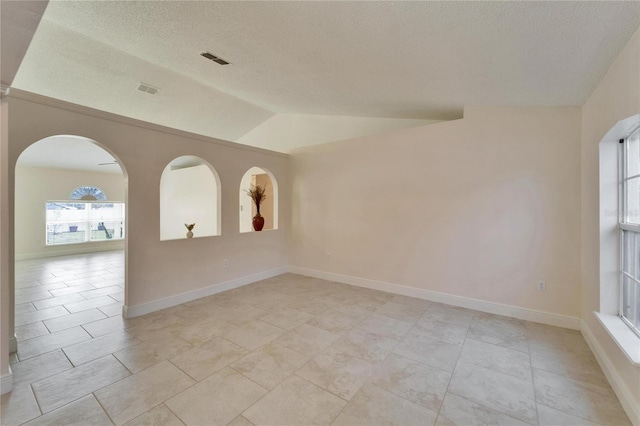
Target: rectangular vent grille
{"x":143,"y":87}
{"x":214,"y":58}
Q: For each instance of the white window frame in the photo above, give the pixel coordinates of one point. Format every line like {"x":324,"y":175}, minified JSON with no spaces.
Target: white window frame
{"x":626,"y":226}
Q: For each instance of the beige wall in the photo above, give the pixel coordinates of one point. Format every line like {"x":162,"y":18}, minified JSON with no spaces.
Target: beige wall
{"x":482,"y":207}
{"x":616,"y":97}
{"x":155,"y":269}
{"x":6,"y":258}
{"x":34,"y":187}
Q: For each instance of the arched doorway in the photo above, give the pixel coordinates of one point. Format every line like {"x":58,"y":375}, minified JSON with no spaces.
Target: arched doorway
{"x":70,"y":238}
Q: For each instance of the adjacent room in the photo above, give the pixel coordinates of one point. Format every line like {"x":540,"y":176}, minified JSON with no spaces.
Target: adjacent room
{"x":292,"y":213}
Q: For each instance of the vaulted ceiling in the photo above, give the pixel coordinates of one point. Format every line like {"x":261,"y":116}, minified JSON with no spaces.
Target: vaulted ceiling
{"x":381,"y":64}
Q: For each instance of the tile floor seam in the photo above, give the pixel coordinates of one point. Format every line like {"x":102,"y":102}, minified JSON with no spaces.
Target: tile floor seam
{"x":102,"y":407}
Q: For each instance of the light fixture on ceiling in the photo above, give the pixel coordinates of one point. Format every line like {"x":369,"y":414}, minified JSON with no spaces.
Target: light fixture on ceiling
{"x":214,"y":58}
{"x":144,"y":87}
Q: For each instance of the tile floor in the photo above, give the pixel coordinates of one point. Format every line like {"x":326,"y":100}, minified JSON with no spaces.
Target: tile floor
{"x":290,"y":350}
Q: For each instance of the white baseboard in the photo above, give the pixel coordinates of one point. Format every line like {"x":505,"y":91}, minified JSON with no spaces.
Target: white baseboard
{"x":619,"y":387}
{"x":13,"y":344}
{"x":82,"y":248}
{"x":6,"y":382}
{"x":449,"y":299}
{"x":167,"y":302}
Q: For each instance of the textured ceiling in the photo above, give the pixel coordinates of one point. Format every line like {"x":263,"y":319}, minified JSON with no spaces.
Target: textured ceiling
{"x":415,"y":60}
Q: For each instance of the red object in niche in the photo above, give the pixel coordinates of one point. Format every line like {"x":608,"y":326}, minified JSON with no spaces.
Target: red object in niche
{"x":258,"y":222}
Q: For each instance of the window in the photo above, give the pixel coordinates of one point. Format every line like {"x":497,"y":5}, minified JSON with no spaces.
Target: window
{"x":629,"y":190}
{"x":81,"y":221}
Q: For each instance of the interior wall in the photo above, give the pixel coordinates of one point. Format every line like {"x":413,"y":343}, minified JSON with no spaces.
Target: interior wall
{"x":616,"y":97}
{"x":188,"y":195}
{"x":266,"y":208}
{"x":482,"y":207}
{"x":37,"y":185}
{"x":6,"y":258}
{"x":157,"y":270}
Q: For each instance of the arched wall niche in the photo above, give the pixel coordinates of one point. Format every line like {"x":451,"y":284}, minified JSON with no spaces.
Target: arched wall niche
{"x":189,"y":194}
{"x":269,"y":208}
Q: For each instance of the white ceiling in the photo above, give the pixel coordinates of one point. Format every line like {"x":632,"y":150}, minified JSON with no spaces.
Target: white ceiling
{"x":69,"y":152}
{"x":392,"y":60}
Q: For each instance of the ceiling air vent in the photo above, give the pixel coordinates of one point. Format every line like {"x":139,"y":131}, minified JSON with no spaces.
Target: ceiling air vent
{"x":214,"y":58}
{"x":143,"y":87}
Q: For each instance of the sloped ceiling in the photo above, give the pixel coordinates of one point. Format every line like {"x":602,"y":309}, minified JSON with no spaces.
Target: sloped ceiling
{"x":392,"y":60}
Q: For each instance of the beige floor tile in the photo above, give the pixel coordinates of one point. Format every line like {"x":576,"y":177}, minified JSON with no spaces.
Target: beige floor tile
{"x":449,"y":314}
{"x":152,"y":326}
{"x":287,"y":318}
{"x":40,"y":367}
{"x":111,"y":310}
{"x":411,"y":301}
{"x":105,"y":326}
{"x":570,"y":361}
{"x":73,"y":320}
{"x":70,"y":290}
{"x":102,"y":291}
{"x":497,"y":358}
{"x":13,"y":358}
{"x":216,"y":400}
{"x":254,"y":334}
{"x":22,"y":318}
{"x":385,"y":326}
{"x":83,"y":412}
{"x":295,"y":402}
{"x":307,"y":340}
{"x":83,"y":352}
{"x":238,"y":314}
{"x":90,"y":304}
{"x":457,"y":411}
{"x":61,"y":389}
{"x":407,"y":313}
{"x":128,"y":398}
{"x":502,"y":331}
{"x":58,"y":301}
{"x":203,"y":330}
{"x":49,"y":342}
{"x":29,"y":331}
{"x":157,"y":416}
{"x":270,"y":365}
{"x":24,"y":307}
{"x":337,"y":371}
{"x":18,"y":406}
{"x":580,"y":399}
{"x":435,"y":353}
{"x":375,"y":406}
{"x":414,"y":381}
{"x":365,"y":345}
{"x":144,"y":355}
{"x":443,"y":331}
{"x":500,"y":392}
{"x":240,"y":421}
{"x":204,"y":360}
{"x":548,"y":416}
{"x":22,"y":297}
{"x":335,"y":321}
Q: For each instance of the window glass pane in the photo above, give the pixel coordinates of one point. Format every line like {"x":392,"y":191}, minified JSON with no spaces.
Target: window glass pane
{"x":633,"y":154}
{"x":636,"y":297}
{"x":633,"y":200}
{"x":627,"y":288}
{"x":107,"y":231}
{"x":69,"y":223}
{"x":627,"y":251}
{"x":66,"y":233}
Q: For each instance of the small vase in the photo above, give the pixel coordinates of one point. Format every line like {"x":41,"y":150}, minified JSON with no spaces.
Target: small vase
{"x":258,"y":222}
{"x":189,"y":234}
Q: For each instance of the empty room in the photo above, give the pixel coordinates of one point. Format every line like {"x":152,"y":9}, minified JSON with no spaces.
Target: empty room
{"x":319,"y":212}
